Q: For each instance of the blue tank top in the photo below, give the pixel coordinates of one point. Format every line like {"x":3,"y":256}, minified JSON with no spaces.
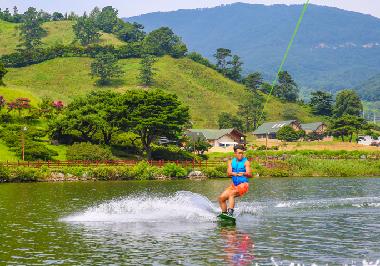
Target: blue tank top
{"x":237,"y":167}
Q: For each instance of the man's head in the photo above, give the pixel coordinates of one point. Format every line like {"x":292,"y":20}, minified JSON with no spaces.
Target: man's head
{"x":239,"y":151}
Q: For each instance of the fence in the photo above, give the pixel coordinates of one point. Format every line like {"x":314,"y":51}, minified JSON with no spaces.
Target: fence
{"x":271,"y":162}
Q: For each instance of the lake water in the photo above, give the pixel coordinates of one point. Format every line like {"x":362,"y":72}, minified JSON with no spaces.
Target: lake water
{"x":280,"y":221}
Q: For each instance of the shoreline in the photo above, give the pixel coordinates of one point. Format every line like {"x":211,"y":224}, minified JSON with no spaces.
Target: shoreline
{"x":295,"y":166}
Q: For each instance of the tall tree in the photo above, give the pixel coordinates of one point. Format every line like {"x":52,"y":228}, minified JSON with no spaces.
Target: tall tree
{"x":31,"y":31}
{"x":347,"y":125}
{"x":105,"y":67}
{"x":163,"y":41}
{"x":235,"y":69}
{"x":250,"y":111}
{"x":151,"y":114}
{"x":321,"y":103}
{"x":147,"y":70}
{"x":347,"y":103}
{"x":287,"y":88}
{"x":3,"y":72}
{"x":107,"y":19}
{"x":89,"y":118}
{"x":253,"y":81}
{"x":227,"y":120}
{"x":222,"y":55}
{"x":130,"y":32}
{"x":86,"y":31}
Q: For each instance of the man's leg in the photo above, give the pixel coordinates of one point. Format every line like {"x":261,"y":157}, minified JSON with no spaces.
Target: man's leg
{"x":231,"y":198}
{"x":223,"y":198}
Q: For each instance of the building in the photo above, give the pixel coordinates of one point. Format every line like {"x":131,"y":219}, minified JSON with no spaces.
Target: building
{"x":317,"y":127}
{"x":271,"y":128}
{"x":224,"y":138}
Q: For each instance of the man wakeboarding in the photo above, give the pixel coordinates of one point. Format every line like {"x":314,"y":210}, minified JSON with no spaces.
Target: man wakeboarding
{"x":239,"y":169}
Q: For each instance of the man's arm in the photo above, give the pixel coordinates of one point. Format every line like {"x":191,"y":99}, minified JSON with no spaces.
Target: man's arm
{"x":229,"y":169}
{"x":248,"y":170}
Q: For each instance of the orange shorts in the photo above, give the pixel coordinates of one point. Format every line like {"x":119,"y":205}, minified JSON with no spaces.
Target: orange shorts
{"x":241,"y":188}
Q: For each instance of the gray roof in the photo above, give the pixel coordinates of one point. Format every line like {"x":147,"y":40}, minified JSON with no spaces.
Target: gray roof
{"x":272,"y":127}
{"x":211,"y":134}
{"x":311,"y":126}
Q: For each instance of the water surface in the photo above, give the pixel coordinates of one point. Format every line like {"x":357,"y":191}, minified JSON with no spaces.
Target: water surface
{"x":331,"y":221}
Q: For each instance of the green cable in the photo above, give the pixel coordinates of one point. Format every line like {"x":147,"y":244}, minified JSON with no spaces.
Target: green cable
{"x":285,"y":57}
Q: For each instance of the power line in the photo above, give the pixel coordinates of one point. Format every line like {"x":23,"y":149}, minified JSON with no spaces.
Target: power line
{"x":285,"y":56}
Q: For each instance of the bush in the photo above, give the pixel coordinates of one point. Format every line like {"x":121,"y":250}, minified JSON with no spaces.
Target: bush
{"x":112,"y":173}
{"x":4,"y":174}
{"x":25,"y":174}
{"x":171,"y":153}
{"x":173,"y":170}
{"x":287,"y":133}
{"x":144,"y":171}
{"x":88,"y":151}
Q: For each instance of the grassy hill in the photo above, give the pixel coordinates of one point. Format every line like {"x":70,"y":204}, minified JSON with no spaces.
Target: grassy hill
{"x":58,"y":32}
{"x":206,"y":91}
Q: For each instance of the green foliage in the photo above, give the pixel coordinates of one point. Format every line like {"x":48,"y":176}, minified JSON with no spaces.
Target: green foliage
{"x":105,"y":67}
{"x":347,"y":103}
{"x":171,"y":153}
{"x":228,"y":120}
{"x":234,"y":72}
{"x":25,"y":174}
{"x":147,"y":70}
{"x":253,"y":81}
{"x":196,"y":57}
{"x":150,"y":115}
{"x":4,"y":174}
{"x":173,"y":170}
{"x":287,"y":133}
{"x":346,"y":125}
{"x":88,"y":151}
{"x":144,"y":171}
{"x":163,"y":41}
{"x":321,"y":103}
{"x":88,"y":118}
{"x":130,"y":32}
{"x":251,"y":110}
{"x":86,"y":30}
{"x":219,"y":171}
{"x":107,"y":19}
{"x":287,"y":88}
{"x":3,"y":72}
{"x":31,"y":31}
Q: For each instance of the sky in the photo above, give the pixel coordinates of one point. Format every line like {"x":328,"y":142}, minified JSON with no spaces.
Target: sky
{"x":128,"y":8}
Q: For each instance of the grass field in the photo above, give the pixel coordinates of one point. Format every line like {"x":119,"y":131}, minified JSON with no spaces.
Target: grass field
{"x":58,"y":32}
{"x":206,"y":91}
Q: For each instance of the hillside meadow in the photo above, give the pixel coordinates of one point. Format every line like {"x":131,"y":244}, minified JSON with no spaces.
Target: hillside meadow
{"x":58,"y":32}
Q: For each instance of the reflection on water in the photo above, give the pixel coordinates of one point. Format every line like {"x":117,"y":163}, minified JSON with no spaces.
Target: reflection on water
{"x":238,"y":246}
{"x":280,"y":222}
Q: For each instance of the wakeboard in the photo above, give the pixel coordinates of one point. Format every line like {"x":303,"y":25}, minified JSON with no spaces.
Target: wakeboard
{"x":226,"y":218}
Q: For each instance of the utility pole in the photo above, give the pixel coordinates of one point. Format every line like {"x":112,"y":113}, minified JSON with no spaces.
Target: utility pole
{"x":23,"y":143}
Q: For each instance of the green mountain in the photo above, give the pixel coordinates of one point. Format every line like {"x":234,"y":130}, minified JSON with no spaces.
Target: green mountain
{"x":334,"y":49}
{"x":370,"y":89}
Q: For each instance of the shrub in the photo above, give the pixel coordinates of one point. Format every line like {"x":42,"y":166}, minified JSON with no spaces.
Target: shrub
{"x":173,"y":170}
{"x":171,"y":153}
{"x":144,"y":171}
{"x":88,"y":151}
{"x":25,"y":174}
{"x":4,"y":174}
{"x":287,"y":133}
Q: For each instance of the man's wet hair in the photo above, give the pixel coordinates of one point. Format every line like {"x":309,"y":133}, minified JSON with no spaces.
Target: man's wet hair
{"x":239,"y":147}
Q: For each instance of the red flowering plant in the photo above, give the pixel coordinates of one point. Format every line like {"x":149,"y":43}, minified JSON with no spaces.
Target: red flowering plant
{"x":58,"y":105}
{"x":2,"y":102}
{"x":19,"y":104}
